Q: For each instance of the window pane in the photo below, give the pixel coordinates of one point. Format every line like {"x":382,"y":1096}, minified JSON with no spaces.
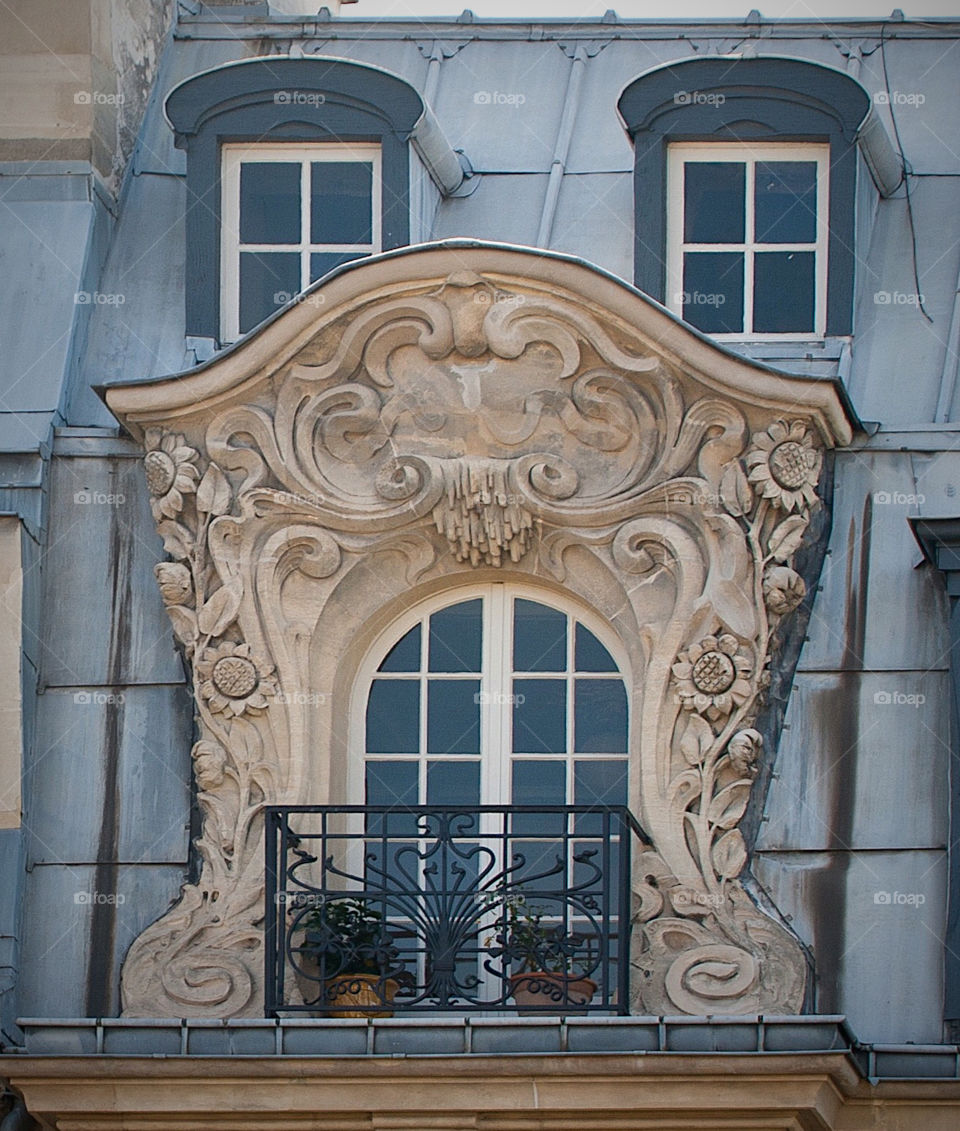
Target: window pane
{"x":598,"y":783}
{"x":543,"y":868}
{"x":713,"y":291}
{"x":404,"y":656}
{"x":322,"y":262}
{"x":714,"y":201}
{"x":585,"y":872}
{"x":393,"y":717}
{"x":540,"y":716}
{"x":392,"y":783}
{"x":453,"y":783}
{"x":783,"y":296}
{"x":270,"y":202}
{"x":453,"y":716}
{"x":341,"y":202}
{"x":539,"y":638}
{"x":785,"y":196}
{"x":600,"y":717}
{"x":455,"y":638}
{"x":538,"y":783}
{"x":589,"y":654}
{"x":268,"y":280}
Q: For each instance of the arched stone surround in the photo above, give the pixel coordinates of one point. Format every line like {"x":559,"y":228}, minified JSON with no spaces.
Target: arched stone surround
{"x":461,"y":412}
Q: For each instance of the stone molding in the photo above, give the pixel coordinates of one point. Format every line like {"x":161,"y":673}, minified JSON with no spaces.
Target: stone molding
{"x":447,"y":415}
{"x":601,"y":1091}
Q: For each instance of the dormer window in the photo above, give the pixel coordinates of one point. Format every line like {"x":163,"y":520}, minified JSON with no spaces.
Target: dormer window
{"x":745,"y":175}
{"x":294,"y":167}
{"x":292,"y":213}
{"x":747,"y":238}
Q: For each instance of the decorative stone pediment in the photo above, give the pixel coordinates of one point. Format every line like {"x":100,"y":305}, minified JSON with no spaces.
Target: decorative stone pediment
{"x":424,"y":418}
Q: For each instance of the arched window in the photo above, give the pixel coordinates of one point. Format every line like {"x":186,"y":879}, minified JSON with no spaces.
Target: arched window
{"x":498,"y":696}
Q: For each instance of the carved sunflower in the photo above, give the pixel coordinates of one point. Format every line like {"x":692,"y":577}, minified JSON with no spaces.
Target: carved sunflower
{"x":784,"y":465}
{"x":232,"y":681}
{"x":171,"y":472}
{"x":713,"y":677}
{"x":783,"y":589}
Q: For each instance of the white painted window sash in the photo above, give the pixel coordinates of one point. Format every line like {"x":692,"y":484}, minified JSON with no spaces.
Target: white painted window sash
{"x":233,"y":157}
{"x":681,"y":154}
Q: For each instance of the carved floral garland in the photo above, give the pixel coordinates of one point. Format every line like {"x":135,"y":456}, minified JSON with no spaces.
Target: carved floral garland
{"x":710,"y":952}
{"x":230,"y":683}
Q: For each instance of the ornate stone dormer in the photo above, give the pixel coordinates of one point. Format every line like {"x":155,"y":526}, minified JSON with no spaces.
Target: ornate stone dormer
{"x":455,"y":413}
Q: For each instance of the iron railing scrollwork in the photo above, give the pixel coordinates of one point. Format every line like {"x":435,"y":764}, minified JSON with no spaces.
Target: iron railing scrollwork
{"x":373,"y":909}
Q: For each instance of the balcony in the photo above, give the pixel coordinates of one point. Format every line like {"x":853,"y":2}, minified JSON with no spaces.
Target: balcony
{"x":374,"y":911}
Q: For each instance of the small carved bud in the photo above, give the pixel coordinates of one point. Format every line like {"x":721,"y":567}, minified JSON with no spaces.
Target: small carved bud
{"x":783,"y":589}
{"x":209,"y":760}
{"x":744,"y":750}
{"x":174,"y":582}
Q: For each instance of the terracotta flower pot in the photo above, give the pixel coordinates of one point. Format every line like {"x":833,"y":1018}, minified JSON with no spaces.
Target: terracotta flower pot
{"x":345,"y":990}
{"x":355,"y":990}
{"x":538,"y":990}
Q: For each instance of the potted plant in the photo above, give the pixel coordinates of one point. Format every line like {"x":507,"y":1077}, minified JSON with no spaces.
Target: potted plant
{"x":548,"y":972}
{"x":347,"y":947}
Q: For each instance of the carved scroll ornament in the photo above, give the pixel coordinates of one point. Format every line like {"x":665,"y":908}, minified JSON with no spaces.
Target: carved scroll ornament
{"x":475,"y":426}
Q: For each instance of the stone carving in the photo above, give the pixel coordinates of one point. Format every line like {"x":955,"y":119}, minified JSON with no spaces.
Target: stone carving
{"x":409,"y":439}
{"x":476,"y":516}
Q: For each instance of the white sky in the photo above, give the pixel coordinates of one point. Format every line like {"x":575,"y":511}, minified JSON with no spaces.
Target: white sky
{"x":644,"y":9}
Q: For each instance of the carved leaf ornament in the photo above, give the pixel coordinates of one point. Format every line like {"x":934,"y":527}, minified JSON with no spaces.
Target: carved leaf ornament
{"x":428,"y":423}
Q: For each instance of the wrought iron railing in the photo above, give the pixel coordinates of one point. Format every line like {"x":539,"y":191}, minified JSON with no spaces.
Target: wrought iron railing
{"x":375,"y":910}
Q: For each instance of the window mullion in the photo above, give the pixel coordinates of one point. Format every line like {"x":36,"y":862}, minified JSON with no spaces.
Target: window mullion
{"x":750,"y":241}
{"x":305,"y":190}
{"x":424,"y":689}
{"x":497,"y":663}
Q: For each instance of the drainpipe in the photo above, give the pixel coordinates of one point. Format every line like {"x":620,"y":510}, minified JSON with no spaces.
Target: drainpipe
{"x":433,"y":74}
{"x":562,"y":148}
{"x":939,"y":539}
{"x":951,"y":362}
{"x":17,"y":1118}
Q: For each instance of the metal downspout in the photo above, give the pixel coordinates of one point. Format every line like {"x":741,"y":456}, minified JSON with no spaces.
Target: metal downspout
{"x":562,"y":147}
{"x":951,"y":362}
{"x":17,"y":1118}
{"x":433,"y":74}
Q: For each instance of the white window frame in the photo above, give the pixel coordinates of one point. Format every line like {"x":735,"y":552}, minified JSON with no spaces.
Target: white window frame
{"x":233,"y":156}
{"x":682,"y":153}
{"x":496,"y":755}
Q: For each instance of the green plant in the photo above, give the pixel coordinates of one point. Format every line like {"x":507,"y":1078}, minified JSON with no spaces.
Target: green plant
{"x":348,"y":936}
{"x":532,"y":943}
